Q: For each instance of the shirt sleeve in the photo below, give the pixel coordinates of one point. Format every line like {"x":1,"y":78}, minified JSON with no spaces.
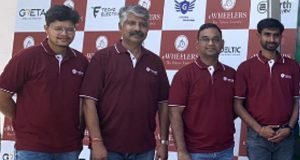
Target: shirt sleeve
{"x":179,"y":90}
{"x":241,"y":82}
{"x":93,"y":81}
{"x":14,"y":74}
{"x":164,"y":85}
{"x":296,"y":81}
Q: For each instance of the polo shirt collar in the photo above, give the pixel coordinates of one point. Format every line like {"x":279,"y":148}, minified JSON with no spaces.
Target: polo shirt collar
{"x":121,"y":49}
{"x":263,"y":59}
{"x":69,"y":53}
{"x":202,"y":65}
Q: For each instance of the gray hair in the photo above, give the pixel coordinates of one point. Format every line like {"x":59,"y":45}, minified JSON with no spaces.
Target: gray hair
{"x":137,"y":10}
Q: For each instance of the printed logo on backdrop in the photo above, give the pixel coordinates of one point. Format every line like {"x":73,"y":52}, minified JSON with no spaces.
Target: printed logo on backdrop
{"x":181,"y":43}
{"x":228,"y":4}
{"x":8,"y":156}
{"x":235,"y":49}
{"x":79,"y":6}
{"x":94,"y":41}
{"x":24,"y":40}
{"x":183,"y":14}
{"x":145,"y":3}
{"x":184,"y":7}
{"x":101,"y":12}
{"x":179,"y":53}
{"x":28,"y":42}
{"x":228,"y":13}
{"x":231,"y":51}
{"x":103,"y":15}
{"x":262,"y":7}
{"x":32,"y":13}
{"x":101,"y":42}
{"x":69,"y":3}
{"x":155,"y":11}
{"x":285,"y":6}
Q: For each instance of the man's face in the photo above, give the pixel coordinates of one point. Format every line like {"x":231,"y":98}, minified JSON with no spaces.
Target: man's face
{"x":210,"y":42}
{"x":270,"y":39}
{"x":60,"y":33}
{"x":134,"y":29}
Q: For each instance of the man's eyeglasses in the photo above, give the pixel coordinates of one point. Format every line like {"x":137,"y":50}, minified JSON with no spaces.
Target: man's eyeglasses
{"x":68,"y":30}
{"x":207,"y":40}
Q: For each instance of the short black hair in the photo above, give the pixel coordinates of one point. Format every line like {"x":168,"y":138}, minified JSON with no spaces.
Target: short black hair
{"x":61,"y":13}
{"x":270,"y":23}
{"x":208,"y":25}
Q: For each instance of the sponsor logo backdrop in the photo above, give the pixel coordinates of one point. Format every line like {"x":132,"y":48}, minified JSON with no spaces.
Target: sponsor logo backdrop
{"x":172,"y":35}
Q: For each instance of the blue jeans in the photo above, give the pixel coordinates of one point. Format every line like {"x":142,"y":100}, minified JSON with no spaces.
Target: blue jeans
{"x":260,"y":148}
{"x":226,"y":154}
{"x":148,"y":155}
{"x":30,"y":155}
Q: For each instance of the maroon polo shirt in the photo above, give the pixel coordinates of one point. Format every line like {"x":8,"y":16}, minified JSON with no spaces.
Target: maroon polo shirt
{"x":208,"y":106}
{"x":47,"y":105}
{"x":268,"y":91}
{"x":127,"y":97}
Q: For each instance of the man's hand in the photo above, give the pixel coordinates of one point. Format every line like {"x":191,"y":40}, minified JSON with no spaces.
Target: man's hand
{"x":268,"y":131}
{"x":280,"y":135}
{"x":162,"y":152}
{"x":99,"y":151}
{"x":184,"y":156}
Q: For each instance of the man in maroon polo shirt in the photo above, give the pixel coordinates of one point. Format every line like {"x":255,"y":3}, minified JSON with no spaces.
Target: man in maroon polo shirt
{"x":124,"y":87}
{"x":201,"y":102}
{"x":266,"y":96}
{"x":46,"y":79}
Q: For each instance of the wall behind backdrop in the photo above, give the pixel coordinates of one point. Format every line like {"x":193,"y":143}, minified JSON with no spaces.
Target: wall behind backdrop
{"x":172,"y":35}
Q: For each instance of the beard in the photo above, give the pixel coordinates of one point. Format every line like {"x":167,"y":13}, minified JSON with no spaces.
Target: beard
{"x":270,"y":46}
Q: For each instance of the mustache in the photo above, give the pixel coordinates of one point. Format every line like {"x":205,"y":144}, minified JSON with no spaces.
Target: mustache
{"x":138,"y":33}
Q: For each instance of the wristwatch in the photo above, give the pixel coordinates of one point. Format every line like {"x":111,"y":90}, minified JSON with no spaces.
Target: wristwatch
{"x":287,"y":126}
{"x":164,"y":142}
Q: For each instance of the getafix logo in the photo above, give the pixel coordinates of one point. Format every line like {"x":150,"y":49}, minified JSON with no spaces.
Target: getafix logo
{"x":145,"y":3}
{"x":104,"y":11}
{"x":101,"y":42}
{"x":32,"y":13}
{"x":28,"y":42}
{"x":285,"y":6}
{"x":228,"y":4}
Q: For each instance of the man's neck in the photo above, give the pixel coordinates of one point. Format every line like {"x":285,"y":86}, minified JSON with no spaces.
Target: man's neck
{"x":134,"y":48}
{"x":58,"y":49}
{"x":269,"y":54}
{"x":209,"y":60}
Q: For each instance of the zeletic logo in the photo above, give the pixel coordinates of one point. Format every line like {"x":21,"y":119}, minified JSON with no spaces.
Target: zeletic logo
{"x":145,"y":3}
{"x":181,"y":43}
{"x":69,"y":3}
{"x":228,"y":4}
{"x":28,"y":42}
{"x":184,"y":6}
{"x":101,"y":42}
